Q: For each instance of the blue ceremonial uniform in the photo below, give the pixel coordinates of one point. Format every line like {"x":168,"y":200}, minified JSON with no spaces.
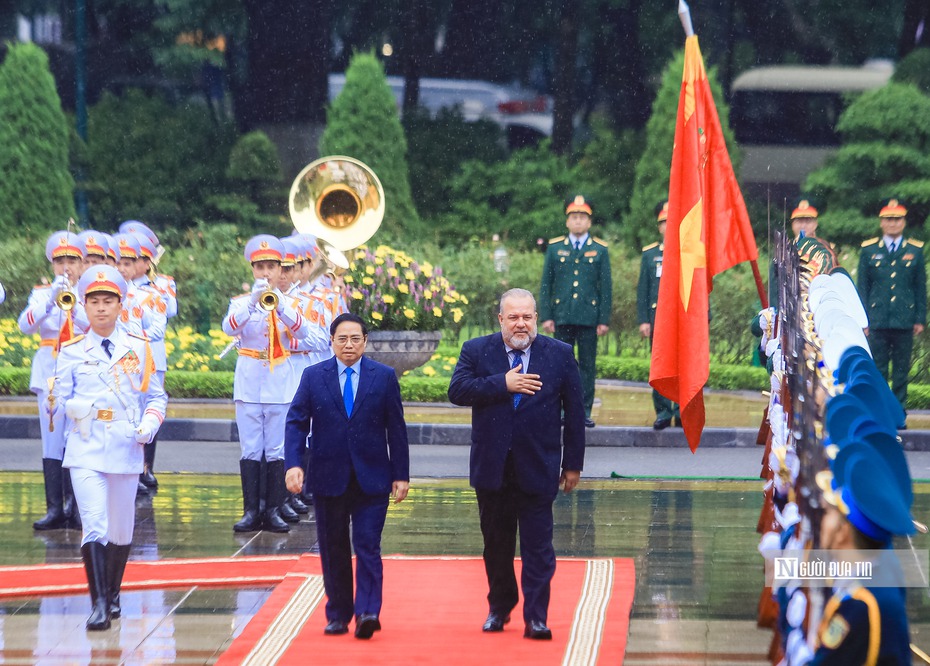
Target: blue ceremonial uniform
{"x":864,"y":626}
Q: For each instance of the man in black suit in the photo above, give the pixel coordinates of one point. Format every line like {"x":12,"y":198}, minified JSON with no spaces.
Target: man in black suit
{"x":518,"y":385}
{"x":358,"y":458}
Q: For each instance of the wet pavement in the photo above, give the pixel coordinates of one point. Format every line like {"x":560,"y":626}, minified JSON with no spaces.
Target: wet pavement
{"x":698,"y":573}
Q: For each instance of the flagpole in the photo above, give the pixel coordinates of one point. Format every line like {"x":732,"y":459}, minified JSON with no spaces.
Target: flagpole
{"x":684,"y":13}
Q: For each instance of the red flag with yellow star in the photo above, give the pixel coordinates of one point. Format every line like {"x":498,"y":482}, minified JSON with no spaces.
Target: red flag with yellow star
{"x":708,"y":232}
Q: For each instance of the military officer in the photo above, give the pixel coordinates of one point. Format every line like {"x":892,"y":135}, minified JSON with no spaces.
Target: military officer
{"x":115,"y":403}
{"x":575,"y":296}
{"x":893,"y":287}
{"x":266,"y":323}
{"x":647,"y":296}
{"x":48,"y":314}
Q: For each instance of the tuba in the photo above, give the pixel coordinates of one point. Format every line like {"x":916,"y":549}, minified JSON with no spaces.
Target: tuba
{"x":339,"y":200}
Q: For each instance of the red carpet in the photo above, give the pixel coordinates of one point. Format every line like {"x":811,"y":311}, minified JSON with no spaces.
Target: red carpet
{"x":433,"y":611}
{"x":49,"y":579}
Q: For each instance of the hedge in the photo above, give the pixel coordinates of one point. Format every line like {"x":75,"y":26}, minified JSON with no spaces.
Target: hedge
{"x":218,"y":385}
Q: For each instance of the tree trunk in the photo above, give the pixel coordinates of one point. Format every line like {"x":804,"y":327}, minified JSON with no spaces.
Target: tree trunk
{"x":565,"y":86}
{"x":416,"y":47}
{"x":915,"y":13}
{"x":288,"y":53}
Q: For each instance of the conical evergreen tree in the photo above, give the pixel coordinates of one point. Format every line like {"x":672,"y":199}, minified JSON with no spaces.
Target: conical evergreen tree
{"x":36,"y":188}
{"x":362,"y":122}
{"x":652,"y":171}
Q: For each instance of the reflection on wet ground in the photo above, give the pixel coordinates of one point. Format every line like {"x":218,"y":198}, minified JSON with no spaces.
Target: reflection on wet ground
{"x":698,"y":571}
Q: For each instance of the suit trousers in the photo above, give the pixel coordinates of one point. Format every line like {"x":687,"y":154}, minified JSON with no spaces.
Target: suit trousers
{"x":501,"y":512}
{"x":895,"y":345}
{"x":261,"y":429}
{"x":107,"y":504}
{"x":367,"y":514}
{"x":586,"y":339}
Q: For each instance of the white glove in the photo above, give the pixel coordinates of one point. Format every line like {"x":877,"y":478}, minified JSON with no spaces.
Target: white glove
{"x":78,"y":410}
{"x":60,"y":284}
{"x":280,"y":308}
{"x":258,"y":288}
{"x":145,"y":433}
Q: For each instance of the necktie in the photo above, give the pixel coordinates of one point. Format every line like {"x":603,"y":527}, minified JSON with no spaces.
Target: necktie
{"x":577,"y":245}
{"x":517,"y":360}
{"x":894,"y":246}
{"x":106,"y":344}
{"x":347,"y":398}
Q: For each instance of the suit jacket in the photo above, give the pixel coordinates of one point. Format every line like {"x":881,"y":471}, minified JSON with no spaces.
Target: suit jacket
{"x":533,"y":430}
{"x":372,"y":442}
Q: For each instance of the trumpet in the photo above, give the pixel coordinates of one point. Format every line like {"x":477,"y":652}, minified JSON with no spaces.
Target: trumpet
{"x":268,"y":301}
{"x":66,"y":300}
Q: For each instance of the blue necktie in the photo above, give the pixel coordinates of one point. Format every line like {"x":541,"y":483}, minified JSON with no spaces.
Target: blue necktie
{"x":517,"y":360}
{"x":106,"y":347}
{"x":347,"y":398}
{"x":577,"y":245}
{"x":894,"y":246}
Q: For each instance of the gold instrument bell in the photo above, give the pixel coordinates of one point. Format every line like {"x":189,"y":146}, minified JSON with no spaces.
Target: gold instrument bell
{"x":66,"y":300}
{"x":339,"y":200}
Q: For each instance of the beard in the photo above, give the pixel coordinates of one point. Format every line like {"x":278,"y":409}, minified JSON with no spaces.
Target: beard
{"x":520,"y":340}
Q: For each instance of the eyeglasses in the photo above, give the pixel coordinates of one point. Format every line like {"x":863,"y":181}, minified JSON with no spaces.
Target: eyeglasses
{"x":342,"y":340}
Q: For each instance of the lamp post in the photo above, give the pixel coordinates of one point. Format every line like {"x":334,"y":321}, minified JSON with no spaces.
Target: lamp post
{"x":80,"y":98}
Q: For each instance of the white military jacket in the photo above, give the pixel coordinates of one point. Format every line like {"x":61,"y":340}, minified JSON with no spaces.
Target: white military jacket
{"x":255,"y":380}
{"x":38,"y":318}
{"x":105,"y":402}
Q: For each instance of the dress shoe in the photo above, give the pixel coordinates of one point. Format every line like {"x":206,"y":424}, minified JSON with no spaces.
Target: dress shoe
{"x":589,"y":423}
{"x":336,"y":628}
{"x":148,"y":479}
{"x":495,"y":622}
{"x":366,"y":625}
{"x":537,"y":629}
{"x":298,"y":505}
{"x":661,"y":424}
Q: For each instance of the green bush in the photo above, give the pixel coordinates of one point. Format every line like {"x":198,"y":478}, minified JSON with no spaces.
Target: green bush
{"x":424,"y":389}
{"x":362,"y":122}
{"x":522,"y":199}
{"x":36,"y":188}
{"x":204,"y":385}
{"x":914,"y":68}
{"x":886,"y":143}
{"x":14,"y":381}
{"x":209,"y":268}
{"x":436,"y":149}
{"x":154,"y":161}
{"x":24,"y":265}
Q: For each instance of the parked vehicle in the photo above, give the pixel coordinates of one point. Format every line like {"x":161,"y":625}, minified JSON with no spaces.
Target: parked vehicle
{"x":525,"y":116}
{"x":784,"y":119}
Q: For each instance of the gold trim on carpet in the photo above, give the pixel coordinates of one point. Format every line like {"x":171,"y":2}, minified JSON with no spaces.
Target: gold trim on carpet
{"x":287,"y":625}
{"x":588,"y":624}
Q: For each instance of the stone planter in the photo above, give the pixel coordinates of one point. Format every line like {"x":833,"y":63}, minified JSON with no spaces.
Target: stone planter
{"x":402,"y":350}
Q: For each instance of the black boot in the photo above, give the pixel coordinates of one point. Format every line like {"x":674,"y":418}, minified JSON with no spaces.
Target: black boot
{"x":275,"y":492}
{"x":69,"y":506}
{"x":148,"y":477}
{"x":116,"y":565}
{"x":94,"y":555}
{"x":251,"y":518}
{"x":55,"y":519}
{"x":298,"y":504}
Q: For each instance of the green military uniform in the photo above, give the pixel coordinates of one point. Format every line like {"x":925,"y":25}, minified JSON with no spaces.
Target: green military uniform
{"x":576,"y":295}
{"x":647,"y":296}
{"x":893,"y":288}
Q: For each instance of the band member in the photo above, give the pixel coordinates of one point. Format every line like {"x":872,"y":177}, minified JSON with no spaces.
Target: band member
{"x":267,"y":325}
{"x":115,"y":403}
{"x":168,"y":306}
{"x":54,"y":312}
{"x":96,"y":246}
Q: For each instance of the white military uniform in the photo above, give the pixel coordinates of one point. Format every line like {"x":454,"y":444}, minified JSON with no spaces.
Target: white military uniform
{"x":43,"y":316}
{"x":316,"y":346}
{"x":169,"y":291}
{"x":263,"y":394}
{"x":146,"y":299}
{"x":105,"y":403}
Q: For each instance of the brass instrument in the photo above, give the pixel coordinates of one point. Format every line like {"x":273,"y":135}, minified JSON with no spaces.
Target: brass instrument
{"x":66,"y":300}
{"x":339,"y":200}
{"x":268,"y":301}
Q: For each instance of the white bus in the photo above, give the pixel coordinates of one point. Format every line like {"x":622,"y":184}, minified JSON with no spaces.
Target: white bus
{"x":784,"y":120}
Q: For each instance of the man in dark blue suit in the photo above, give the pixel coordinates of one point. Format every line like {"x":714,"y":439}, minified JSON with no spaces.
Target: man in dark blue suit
{"x":518,"y":386}
{"x":358,"y":458}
